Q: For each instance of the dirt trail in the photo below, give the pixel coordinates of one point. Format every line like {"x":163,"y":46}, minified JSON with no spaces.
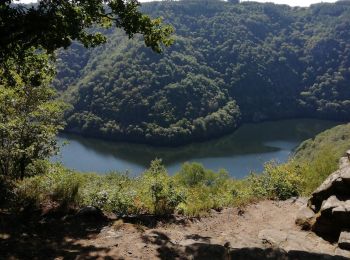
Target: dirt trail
{"x":261,"y":230}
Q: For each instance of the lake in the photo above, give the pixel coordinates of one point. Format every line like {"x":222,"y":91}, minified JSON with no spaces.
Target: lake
{"x":245,"y":150}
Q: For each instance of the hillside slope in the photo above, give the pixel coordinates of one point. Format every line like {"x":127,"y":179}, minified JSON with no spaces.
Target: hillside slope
{"x":230,"y":63}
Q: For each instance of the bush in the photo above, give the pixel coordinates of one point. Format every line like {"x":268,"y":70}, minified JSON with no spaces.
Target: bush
{"x":114,"y":192}
{"x":58,"y":185}
{"x":205,"y":189}
{"x":315,"y":171}
{"x":193,"y":174}
{"x":277,"y":181}
{"x":158,"y":191}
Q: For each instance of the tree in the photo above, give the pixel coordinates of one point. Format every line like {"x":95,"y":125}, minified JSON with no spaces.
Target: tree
{"x":52,"y":24}
{"x":30,"y":117}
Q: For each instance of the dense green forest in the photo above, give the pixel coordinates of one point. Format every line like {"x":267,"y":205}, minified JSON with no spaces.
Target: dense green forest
{"x":230,"y":63}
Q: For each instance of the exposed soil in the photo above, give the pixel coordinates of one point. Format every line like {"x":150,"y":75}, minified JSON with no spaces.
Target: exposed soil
{"x":262,"y":230}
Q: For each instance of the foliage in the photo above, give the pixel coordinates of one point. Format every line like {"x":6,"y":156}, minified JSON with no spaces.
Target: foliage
{"x":112,"y":193}
{"x":319,"y":156}
{"x":59,"y":185}
{"x":54,"y":24}
{"x":194,"y":190}
{"x":204,"y":189}
{"x":277,"y":181}
{"x":230,"y":63}
{"x":158,"y":191}
{"x":30,"y":117}
{"x":155,"y":192}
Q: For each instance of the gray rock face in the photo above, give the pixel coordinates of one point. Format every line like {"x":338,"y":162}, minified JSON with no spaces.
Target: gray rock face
{"x":344,"y":240}
{"x":328,"y":210}
{"x":305,"y":218}
{"x":337,"y":183}
{"x":298,"y":241}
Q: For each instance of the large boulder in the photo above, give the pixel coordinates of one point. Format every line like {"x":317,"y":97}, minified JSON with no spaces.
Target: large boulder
{"x":338,"y":183}
{"x":328,"y":209}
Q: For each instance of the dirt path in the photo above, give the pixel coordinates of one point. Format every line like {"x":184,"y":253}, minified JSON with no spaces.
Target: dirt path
{"x":261,"y":230}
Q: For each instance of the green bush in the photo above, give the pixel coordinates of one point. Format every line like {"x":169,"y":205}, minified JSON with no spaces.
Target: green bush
{"x":114,"y":192}
{"x":158,"y":191}
{"x":192,"y":174}
{"x":58,"y":185}
{"x":277,"y":181}
{"x":205,"y":189}
{"x":315,"y":171}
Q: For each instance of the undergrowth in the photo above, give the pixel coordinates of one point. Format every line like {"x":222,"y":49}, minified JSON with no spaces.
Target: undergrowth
{"x":194,"y":190}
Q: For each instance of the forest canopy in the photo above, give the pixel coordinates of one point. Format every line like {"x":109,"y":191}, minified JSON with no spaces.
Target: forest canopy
{"x":230,"y":63}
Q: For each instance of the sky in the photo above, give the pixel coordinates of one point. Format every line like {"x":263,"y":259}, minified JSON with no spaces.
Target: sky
{"x":288,"y":2}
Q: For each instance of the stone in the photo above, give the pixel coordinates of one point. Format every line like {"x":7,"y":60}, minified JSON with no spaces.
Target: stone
{"x":305,"y":218}
{"x":272,"y":236}
{"x":325,"y":190}
{"x":331,"y":203}
{"x":91,"y":212}
{"x":338,"y":183}
{"x":341,"y":252}
{"x":344,"y":162}
{"x":344,"y":240}
{"x":341,"y":215}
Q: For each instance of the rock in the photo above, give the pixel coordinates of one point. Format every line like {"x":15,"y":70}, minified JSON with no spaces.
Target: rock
{"x":343,"y":253}
{"x":272,"y":236}
{"x":91,"y":212}
{"x":344,"y":240}
{"x":333,"y":217}
{"x":338,"y":183}
{"x":344,"y":162}
{"x":341,"y":214}
{"x":305,"y":218}
{"x":329,"y":204}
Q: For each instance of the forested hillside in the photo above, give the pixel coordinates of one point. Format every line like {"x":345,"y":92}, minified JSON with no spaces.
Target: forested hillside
{"x":230,"y":63}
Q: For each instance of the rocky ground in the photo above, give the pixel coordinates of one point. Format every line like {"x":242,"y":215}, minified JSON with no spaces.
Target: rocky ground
{"x":259,"y":231}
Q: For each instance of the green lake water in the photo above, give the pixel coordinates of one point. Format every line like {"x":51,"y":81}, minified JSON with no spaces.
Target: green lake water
{"x":245,"y":150}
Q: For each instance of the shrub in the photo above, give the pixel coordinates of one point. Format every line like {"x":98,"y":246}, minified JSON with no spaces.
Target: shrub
{"x":315,"y":171}
{"x":58,"y":185}
{"x":158,"y":191}
{"x":277,"y":181}
{"x":193,"y":174}
{"x":205,"y":189}
{"x":114,"y":192}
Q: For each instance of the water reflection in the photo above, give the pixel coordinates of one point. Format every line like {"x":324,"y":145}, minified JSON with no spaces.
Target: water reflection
{"x":243,"y":151}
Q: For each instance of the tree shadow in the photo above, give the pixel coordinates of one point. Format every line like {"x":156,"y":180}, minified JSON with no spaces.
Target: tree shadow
{"x":205,"y":250}
{"x":35,"y":237}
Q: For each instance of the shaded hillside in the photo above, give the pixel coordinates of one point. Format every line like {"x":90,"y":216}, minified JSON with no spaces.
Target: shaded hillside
{"x":229,"y":63}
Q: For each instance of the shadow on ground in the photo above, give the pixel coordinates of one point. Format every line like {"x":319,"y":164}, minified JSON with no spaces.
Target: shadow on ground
{"x":37,"y":237}
{"x":204,"y":250}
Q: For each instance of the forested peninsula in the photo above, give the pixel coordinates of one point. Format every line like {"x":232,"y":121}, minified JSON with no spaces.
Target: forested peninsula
{"x":230,"y":63}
